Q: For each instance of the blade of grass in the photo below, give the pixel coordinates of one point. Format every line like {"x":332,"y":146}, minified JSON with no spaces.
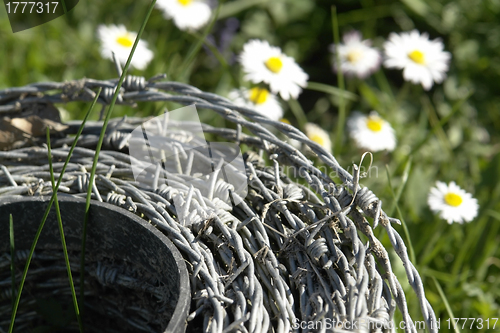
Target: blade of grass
{"x":331,"y":90}
{"x":298,"y":112}
{"x":12,"y":258}
{"x":364,"y":14}
{"x":369,"y":25}
{"x":219,"y":57}
{"x":443,"y":276}
{"x":411,"y":251}
{"x":404,"y":179}
{"x":402,"y":93}
{"x":461,"y":264}
{"x":63,"y":239}
{"x":434,"y":120}
{"x":384,"y":85}
{"x":442,"y":122}
{"x":99,"y":145}
{"x":63,"y":3}
{"x":433,"y":246}
{"x":495,"y":215}
{"x":372,"y":97}
{"x":490,"y":245}
{"x":446,"y":303}
{"x":194,"y":50}
{"x":340,"y":79}
{"x":47,"y":210}
{"x":231,"y":8}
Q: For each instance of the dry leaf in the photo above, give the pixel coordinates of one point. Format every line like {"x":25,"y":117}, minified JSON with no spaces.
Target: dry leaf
{"x":20,"y":128}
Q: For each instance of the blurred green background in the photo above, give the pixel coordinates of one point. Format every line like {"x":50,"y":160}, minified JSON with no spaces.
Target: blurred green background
{"x":451,"y":133}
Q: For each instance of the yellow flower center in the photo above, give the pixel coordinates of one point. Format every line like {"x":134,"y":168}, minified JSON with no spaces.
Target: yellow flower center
{"x":125,"y":41}
{"x":184,"y":2}
{"x":453,"y":199}
{"x":374,"y":123}
{"x":258,"y":95}
{"x":318,"y":139}
{"x":274,"y":64}
{"x":354,"y":56}
{"x":417,"y":57}
{"x":286,"y":121}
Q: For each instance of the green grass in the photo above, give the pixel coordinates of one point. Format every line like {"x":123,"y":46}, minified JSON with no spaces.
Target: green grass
{"x":87,"y":207}
{"x":99,"y":145}
{"x":340,"y":80}
{"x":44,"y":219}
{"x":63,"y":239}
{"x":12,"y":260}
{"x":450,"y":133}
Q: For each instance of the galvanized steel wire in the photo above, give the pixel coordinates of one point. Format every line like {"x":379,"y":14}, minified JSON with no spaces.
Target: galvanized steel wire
{"x":291,"y":252}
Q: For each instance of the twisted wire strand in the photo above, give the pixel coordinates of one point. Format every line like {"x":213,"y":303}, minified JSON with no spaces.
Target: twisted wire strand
{"x":294,"y":256}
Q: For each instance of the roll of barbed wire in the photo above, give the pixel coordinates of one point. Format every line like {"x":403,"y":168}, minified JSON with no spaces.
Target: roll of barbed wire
{"x":289,"y":256}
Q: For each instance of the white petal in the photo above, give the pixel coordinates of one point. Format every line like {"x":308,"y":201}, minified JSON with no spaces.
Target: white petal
{"x":435,"y":65}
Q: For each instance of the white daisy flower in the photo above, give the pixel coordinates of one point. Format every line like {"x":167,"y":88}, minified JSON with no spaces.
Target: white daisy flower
{"x":119,"y":40}
{"x":258,"y":99}
{"x":422,"y":60}
{"x":187,"y":14}
{"x":318,"y":135}
{"x":357,"y":57}
{"x":452,"y":203}
{"x":371,"y":132}
{"x":264,"y":63}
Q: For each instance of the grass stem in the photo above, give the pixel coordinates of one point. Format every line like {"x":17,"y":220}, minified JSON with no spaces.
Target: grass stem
{"x":411,"y":251}
{"x":321,"y":87}
{"x":63,"y":3}
{"x":446,"y":304}
{"x":46,"y":213}
{"x":12,"y":260}
{"x":196,"y":47}
{"x":340,"y":79}
{"x":438,"y":125}
{"x":404,"y":180}
{"x":99,"y":145}
{"x":63,"y":239}
{"x":298,"y":112}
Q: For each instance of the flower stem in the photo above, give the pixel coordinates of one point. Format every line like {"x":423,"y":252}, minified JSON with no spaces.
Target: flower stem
{"x":340,"y":79}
